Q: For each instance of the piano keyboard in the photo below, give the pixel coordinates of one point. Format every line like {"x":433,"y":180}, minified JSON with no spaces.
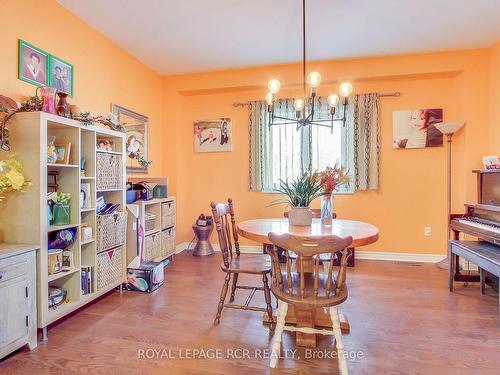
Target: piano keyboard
{"x":481,"y":225}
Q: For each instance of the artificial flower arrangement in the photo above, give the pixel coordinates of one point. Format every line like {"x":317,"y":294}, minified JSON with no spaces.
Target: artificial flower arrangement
{"x":11,"y":176}
{"x":332,"y":178}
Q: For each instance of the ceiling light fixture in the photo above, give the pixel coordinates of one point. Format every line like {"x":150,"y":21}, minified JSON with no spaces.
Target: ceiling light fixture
{"x":305,"y":106}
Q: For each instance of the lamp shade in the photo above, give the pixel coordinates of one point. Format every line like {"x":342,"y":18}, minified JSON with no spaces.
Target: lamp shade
{"x":450,"y":127}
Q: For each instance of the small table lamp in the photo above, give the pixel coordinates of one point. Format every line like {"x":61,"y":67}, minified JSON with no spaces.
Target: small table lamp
{"x":448,"y":129}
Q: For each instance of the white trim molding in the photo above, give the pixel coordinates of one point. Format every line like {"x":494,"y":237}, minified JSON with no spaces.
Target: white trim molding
{"x":360,"y":254}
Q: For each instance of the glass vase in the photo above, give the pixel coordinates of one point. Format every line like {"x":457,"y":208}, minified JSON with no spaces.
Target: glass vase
{"x":326,"y":209}
{"x":61,"y":214}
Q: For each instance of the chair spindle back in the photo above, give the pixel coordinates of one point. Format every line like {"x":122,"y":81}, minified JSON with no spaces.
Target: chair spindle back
{"x":308,"y":258}
{"x":225,"y":223}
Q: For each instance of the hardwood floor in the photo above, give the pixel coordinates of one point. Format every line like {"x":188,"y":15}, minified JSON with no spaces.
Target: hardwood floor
{"x":403,"y":321}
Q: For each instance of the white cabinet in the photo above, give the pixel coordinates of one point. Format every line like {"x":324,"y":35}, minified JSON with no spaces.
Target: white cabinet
{"x":17,"y":296}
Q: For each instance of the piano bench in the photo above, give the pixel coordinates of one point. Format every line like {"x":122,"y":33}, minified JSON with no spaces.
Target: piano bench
{"x":484,"y":254}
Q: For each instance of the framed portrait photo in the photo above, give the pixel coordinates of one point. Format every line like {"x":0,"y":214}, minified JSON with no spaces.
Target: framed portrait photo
{"x":415,"y":128}
{"x":33,"y":64}
{"x":61,"y":75}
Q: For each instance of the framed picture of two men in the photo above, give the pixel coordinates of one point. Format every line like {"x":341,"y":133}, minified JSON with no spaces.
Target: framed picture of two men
{"x":40,"y":68}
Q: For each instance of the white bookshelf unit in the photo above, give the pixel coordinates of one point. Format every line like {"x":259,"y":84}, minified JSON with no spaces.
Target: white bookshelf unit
{"x":23,"y":218}
{"x":159,"y":233}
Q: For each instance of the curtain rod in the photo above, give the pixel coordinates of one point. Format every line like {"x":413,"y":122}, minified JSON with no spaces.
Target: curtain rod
{"x":396,"y":94}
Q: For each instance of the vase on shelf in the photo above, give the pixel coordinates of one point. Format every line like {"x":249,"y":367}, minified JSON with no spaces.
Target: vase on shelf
{"x":326,"y":209}
{"x":61,"y":214}
{"x":62,"y":105}
{"x":48,"y":99}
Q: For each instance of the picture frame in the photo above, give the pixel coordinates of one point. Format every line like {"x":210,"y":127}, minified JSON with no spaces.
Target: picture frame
{"x":33,"y":64}
{"x":60,"y":75}
{"x":63,"y":151}
{"x":136,"y":128}
{"x":415,"y":128}
{"x":213,"y":135}
{"x":85,"y":188}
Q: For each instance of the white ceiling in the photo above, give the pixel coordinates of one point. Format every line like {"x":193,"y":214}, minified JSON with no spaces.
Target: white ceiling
{"x":178,"y":36}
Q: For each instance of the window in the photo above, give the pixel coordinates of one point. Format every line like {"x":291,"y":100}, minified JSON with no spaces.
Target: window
{"x":292,"y":154}
{"x":283,"y":152}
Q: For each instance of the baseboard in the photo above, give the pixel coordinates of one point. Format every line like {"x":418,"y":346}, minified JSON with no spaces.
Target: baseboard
{"x":360,"y":254}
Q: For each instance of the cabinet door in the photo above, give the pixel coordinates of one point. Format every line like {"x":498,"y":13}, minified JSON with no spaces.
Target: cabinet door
{"x":4,"y":310}
{"x":18,"y":307}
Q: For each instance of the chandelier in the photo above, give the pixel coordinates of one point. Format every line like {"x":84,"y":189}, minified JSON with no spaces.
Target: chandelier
{"x":305,"y":106}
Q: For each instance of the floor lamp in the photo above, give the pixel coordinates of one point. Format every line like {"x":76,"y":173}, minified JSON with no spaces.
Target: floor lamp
{"x":448,"y":129}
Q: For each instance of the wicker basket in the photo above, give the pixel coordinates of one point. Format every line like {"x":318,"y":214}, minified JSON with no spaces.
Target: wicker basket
{"x":111,"y":230}
{"x":167,"y":242}
{"x":149,"y":221}
{"x":167,"y":214}
{"x":152,"y":248}
{"x":109,"y":171}
{"x":109,"y":267}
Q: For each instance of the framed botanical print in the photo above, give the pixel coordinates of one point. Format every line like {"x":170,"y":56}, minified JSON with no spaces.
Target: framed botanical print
{"x":136,"y":141}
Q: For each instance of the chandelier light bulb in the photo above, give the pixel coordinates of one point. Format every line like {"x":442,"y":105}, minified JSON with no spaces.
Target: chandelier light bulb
{"x":269,"y":98}
{"x":345,"y":89}
{"x":299,"y":104}
{"x":274,"y":86}
{"x":333,"y":100}
{"x":314,"y":79}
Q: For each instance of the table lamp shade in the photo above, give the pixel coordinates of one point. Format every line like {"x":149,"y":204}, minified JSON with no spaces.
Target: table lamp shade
{"x":450,"y":127}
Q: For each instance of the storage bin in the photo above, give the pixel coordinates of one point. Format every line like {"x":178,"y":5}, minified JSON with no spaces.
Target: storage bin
{"x":149,"y":221}
{"x":109,"y":267}
{"x":168,"y":214}
{"x":110,"y":230}
{"x":109,"y":171}
{"x":152,"y":247}
{"x":167,"y":242}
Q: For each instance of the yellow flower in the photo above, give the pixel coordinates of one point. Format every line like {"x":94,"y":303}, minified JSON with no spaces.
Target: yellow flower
{"x":16,"y":179}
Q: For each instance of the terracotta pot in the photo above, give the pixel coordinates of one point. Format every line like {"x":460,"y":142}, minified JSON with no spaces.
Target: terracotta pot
{"x":301,"y":216}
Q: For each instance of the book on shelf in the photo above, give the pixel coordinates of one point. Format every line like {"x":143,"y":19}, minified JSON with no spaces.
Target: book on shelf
{"x":87,"y":279}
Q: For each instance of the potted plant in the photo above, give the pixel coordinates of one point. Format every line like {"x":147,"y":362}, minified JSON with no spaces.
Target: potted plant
{"x":300,"y":192}
{"x":62,"y":209}
{"x":330,"y":180}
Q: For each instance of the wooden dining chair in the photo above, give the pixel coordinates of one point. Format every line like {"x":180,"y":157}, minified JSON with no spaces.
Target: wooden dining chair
{"x":233,"y":264}
{"x":307,"y":286}
{"x":316,"y":213}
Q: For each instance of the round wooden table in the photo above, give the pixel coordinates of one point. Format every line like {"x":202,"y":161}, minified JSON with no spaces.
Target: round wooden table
{"x":362,"y":234}
{"x":258,"y":229}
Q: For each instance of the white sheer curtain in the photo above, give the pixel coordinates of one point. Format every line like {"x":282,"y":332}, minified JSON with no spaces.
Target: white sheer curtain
{"x":283,"y":152}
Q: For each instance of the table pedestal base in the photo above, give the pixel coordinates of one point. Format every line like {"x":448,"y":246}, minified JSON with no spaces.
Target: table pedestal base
{"x":310,"y":318}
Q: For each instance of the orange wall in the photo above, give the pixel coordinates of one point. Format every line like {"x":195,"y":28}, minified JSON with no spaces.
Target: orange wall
{"x":413,"y":182}
{"x":412,"y":193}
{"x":495,"y":99}
{"x":104,"y":73}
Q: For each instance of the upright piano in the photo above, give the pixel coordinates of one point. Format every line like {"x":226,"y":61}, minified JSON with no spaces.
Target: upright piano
{"x":480,"y":220}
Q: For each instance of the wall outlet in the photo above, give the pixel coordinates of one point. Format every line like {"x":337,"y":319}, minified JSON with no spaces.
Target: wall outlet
{"x":427,"y":231}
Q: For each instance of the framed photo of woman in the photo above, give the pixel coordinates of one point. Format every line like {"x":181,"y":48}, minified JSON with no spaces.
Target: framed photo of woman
{"x":416,"y":128}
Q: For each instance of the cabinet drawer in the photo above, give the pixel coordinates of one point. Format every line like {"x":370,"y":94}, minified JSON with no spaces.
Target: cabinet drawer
{"x":13,"y":270}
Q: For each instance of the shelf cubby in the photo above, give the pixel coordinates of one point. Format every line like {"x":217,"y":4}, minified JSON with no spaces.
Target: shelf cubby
{"x":24,"y":217}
